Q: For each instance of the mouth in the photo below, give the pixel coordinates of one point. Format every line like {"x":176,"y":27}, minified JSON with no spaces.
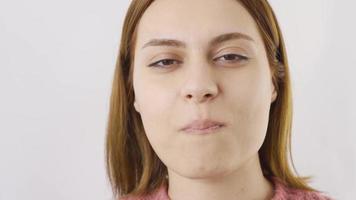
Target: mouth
{"x":207,"y":130}
{"x":203,"y":127}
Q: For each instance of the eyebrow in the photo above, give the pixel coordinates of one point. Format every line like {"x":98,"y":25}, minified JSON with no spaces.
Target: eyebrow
{"x":215,"y":41}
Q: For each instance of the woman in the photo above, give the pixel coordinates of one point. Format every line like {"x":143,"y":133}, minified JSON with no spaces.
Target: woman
{"x":201,"y":106}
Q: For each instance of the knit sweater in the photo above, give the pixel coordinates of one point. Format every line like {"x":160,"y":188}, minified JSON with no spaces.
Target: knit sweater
{"x":281,"y":192}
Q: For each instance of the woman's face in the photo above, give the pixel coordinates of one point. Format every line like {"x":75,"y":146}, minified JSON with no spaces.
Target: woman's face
{"x":226,"y":79}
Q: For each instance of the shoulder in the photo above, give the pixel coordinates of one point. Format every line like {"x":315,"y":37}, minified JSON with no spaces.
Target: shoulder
{"x":283,"y":192}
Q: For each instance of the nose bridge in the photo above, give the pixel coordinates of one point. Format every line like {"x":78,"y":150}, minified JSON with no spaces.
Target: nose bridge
{"x":200,"y":83}
{"x":200,"y":73}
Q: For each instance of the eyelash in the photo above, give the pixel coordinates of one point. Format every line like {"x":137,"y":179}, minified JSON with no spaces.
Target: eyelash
{"x":155,"y":64}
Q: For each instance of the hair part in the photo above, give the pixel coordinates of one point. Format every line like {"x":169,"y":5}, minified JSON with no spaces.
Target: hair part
{"x":133,"y":168}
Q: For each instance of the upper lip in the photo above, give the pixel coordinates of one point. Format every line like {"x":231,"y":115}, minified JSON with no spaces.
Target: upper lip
{"x":201,"y":124}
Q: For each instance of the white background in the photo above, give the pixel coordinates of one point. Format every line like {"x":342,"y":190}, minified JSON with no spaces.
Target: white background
{"x":56,"y":66}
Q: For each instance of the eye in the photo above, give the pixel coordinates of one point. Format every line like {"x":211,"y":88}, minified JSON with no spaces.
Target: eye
{"x":232,"y":58}
{"x":164,"y":63}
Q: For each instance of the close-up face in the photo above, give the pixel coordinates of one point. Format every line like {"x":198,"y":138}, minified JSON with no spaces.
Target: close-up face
{"x":202,"y":76}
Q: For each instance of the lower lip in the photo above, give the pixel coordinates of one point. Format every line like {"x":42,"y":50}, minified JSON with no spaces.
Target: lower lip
{"x":211,"y":129}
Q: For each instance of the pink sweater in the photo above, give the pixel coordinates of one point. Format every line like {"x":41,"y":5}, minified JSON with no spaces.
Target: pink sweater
{"x":281,"y":192}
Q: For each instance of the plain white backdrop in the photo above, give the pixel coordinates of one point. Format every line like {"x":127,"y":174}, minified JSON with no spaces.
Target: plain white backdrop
{"x":57,"y":60}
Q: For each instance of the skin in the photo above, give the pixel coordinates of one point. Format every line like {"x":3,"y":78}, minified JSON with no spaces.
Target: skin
{"x":198,"y":82}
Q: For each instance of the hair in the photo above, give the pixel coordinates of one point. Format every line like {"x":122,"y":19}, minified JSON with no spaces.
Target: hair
{"x":132,"y":165}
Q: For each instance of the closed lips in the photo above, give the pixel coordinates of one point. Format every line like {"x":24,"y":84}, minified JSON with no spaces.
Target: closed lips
{"x":202,"y":124}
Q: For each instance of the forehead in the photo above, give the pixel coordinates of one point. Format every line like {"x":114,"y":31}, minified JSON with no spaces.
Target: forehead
{"x":194,"y":21}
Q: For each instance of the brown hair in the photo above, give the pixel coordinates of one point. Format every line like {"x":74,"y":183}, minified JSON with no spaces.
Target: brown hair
{"x":133,"y":167}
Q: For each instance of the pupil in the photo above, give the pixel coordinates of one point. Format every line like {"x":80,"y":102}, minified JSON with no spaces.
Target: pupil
{"x":166,"y":62}
{"x":230,"y":57}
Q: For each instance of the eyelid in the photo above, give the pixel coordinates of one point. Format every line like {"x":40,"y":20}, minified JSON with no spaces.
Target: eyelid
{"x":240,"y":58}
{"x":232,"y":50}
{"x":164,"y":56}
{"x":237,"y":54}
{"x":155,"y":64}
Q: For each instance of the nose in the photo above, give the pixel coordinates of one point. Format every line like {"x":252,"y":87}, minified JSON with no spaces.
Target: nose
{"x":200,"y":85}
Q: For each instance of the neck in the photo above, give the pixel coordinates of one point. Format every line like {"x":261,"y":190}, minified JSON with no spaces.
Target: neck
{"x":247,"y":182}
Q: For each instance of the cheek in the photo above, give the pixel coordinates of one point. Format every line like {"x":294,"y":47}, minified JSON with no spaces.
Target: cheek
{"x":155,"y":104}
{"x":249,"y":99}
{"x":149,"y":94}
